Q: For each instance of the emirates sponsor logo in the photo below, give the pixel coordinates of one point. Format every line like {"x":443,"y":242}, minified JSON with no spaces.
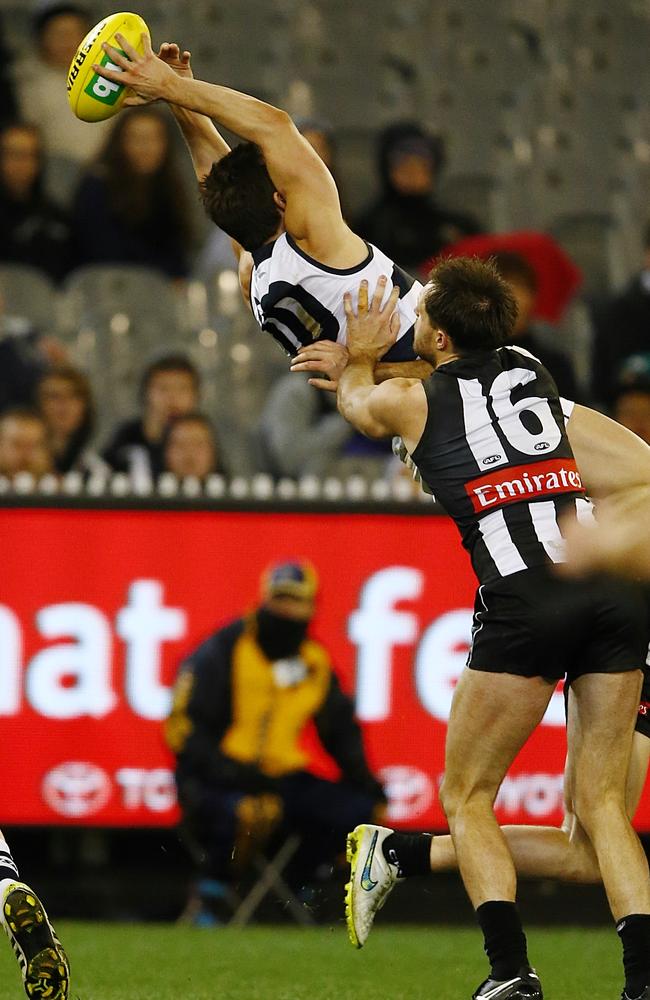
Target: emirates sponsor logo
{"x":524,"y":482}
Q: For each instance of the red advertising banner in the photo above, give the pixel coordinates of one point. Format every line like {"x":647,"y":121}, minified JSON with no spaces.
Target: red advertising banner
{"x":98,"y":607}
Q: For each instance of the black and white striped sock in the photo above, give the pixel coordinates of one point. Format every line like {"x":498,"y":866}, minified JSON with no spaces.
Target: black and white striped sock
{"x":8,"y":867}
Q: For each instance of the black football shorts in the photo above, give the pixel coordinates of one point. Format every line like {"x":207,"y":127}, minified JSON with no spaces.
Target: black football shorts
{"x":535,"y":624}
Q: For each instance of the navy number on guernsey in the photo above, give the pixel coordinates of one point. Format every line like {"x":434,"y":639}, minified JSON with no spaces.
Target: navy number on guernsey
{"x":294,"y":317}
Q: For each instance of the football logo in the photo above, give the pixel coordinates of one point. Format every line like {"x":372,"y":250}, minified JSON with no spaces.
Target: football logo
{"x":542,"y":446}
{"x":76,"y":788}
{"x":491,"y":459}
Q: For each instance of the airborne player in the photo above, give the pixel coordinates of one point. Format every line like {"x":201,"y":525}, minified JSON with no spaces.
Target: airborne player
{"x":276,"y":199}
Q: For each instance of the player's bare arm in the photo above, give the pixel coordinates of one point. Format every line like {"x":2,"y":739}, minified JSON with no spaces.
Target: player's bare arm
{"x":402,"y":369}
{"x":205,"y":144}
{"x":330,"y":358}
{"x":397,"y":406}
{"x":615,"y":466}
{"x":312,"y":211}
{"x":613,"y":461}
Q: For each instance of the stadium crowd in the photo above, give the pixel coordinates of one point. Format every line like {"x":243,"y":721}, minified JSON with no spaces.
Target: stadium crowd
{"x":117,"y":195}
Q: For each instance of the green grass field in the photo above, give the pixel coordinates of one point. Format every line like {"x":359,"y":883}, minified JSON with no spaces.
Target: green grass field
{"x":147,"y":962}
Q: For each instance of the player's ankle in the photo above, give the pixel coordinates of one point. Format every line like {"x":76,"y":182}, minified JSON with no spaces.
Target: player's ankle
{"x":409,"y":852}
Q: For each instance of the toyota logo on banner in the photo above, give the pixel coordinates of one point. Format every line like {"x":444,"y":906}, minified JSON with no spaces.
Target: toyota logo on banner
{"x":76,"y":788}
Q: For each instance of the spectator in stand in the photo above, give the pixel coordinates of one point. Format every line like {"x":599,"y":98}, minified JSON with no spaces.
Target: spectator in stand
{"x":23,"y":443}
{"x":190,"y":447}
{"x":242,"y":702}
{"x":406,"y":221}
{"x":169,"y":388}
{"x":621,"y":328}
{"x":8,"y":108}
{"x":522,"y":279}
{"x":301,"y":431}
{"x":24,"y":356}
{"x":35,"y":231}
{"x":41,"y":79}
{"x":65,"y":402}
{"x":131,"y":208}
{"x":632,"y":395}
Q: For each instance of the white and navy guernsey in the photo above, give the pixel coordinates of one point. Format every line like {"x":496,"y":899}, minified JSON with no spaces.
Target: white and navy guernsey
{"x":298,"y":300}
{"x":496,"y":454}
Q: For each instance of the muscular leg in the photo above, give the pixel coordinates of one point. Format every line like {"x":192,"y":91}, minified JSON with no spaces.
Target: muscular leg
{"x":550,"y":852}
{"x":602,"y":713}
{"x":491,"y":718}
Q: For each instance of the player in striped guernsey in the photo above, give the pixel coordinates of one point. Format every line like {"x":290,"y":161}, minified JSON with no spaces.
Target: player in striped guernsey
{"x":42,"y":961}
{"x":488,"y":435}
{"x":276,"y":199}
{"x":615,"y":467}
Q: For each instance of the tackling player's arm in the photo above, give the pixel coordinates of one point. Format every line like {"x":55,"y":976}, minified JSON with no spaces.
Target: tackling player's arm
{"x":614,"y":463}
{"x":615,"y":467}
{"x":313,"y":211}
{"x":329,"y":359}
{"x":402,"y":369}
{"x":398,"y":406}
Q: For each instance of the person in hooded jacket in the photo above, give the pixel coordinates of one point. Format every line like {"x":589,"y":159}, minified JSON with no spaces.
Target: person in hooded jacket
{"x":405,"y":220}
{"x":35,"y":231}
{"x":242,"y":702}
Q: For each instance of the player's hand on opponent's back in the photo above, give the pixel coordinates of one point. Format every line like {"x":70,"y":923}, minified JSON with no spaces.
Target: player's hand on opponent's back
{"x":149,"y":76}
{"x":373,"y":328}
{"x":324,"y":356}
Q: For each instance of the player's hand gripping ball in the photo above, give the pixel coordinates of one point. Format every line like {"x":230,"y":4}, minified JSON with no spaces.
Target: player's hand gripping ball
{"x":91,"y":97}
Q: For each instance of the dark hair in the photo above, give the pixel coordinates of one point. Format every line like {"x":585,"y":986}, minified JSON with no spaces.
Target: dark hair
{"x":47,"y":12}
{"x":194,"y":417}
{"x":238,"y":194}
{"x":156,"y":201}
{"x":21,"y":413}
{"x":83,"y":389}
{"x":169,"y":363}
{"x":20,"y":126}
{"x":471,"y":302}
{"x":513,"y":267}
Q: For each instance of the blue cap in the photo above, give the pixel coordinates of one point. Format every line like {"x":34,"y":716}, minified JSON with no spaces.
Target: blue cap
{"x":290,"y":579}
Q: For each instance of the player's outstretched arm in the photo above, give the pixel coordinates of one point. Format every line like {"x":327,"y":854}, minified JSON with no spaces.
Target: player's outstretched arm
{"x":206,"y":145}
{"x":397,"y":406}
{"x":313,"y":210}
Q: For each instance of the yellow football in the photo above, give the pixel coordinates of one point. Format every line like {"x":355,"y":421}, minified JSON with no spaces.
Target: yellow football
{"x":91,"y":97}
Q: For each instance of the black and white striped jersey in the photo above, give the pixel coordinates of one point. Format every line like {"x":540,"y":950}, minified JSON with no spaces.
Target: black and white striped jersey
{"x":496,"y":454}
{"x":297,"y":300}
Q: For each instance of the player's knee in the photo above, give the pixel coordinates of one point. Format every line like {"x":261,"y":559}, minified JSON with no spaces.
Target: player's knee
{"x":457,"y":795}
{"x":594,"y":808}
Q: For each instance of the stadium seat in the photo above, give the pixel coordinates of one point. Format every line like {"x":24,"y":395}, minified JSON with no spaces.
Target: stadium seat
{"x":270,"y":871}
{"x":594,"y":241}
{"x":28,"y":293}
{"x":267,"y":864}
{"x":480,"y":195}
{"x":102,"y":293}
